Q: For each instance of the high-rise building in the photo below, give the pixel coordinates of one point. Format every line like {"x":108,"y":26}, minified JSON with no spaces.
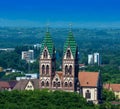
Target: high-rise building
{"x":90,"y":59}
{"x":28,"y":55}
{"x":94,"y":59}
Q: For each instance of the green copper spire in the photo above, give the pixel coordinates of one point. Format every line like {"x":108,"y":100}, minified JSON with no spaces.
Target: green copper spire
{"x":47,"y":42}
{"x":70,"y":43}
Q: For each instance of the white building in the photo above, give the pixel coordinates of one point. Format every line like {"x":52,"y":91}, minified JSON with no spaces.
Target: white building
{"x":28,"y":56}
{"x":94,"y":59}
{"x":90,"y":59}
{"x":28,"y":76}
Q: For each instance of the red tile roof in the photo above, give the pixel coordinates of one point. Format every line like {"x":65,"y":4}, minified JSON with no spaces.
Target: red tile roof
{"x":4,"y":84}
{"x":114,"y":87}
{"x":60,"y":74}
{"x":88,"y":78}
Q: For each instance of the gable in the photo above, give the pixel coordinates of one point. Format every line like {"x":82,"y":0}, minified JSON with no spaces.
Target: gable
{"x":48,"y":54}
{"x":29,"y":86}
{"x":66,"y":53}
{"x":57,"y":77}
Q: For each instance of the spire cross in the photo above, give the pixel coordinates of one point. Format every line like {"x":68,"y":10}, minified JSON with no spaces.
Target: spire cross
{"x":47,"y":27}
{"x":70,"y":27}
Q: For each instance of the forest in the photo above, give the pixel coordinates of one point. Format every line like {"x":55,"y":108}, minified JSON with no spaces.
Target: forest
{"x":104,"y":41}
{"x":46,"y":99}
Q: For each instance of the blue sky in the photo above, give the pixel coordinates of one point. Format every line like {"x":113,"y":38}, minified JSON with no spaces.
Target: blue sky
{"x":83,"y":13}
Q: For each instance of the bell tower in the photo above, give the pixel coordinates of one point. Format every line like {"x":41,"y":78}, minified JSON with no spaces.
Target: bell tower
{"x":47,"y":62}
{"x":70,"y":64}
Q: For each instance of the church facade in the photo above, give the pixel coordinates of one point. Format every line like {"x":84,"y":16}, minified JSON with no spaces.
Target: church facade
{"x":69,"y":78}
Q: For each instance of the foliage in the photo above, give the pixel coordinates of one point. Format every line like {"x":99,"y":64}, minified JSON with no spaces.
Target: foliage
{"x":11,"y":76}
{"x":42,"y":100}
{"x":108,"y":95}
{"x":104,"y":41}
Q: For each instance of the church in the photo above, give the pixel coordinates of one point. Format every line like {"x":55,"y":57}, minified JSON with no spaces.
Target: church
{"x":69,"y":79}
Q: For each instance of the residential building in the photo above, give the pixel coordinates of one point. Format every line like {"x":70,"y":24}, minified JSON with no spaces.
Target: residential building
{"x":30,"y":84}
{"x":4,"y":85}
{"x":90,"y":59}
{"x":94,"y":59}
{"x":90,"y":86}
{"x":97,"y":58}
{"x":113,"y":87}
{"x":28,"y":76}
{"x":28,"y":56}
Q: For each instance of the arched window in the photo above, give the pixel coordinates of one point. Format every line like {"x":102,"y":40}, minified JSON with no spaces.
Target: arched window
{"x":47,"y":69}
{"x":88,"y":94}
{"x":66,"y":84}
{"x":42,"y":83}
{"x":70,"y":70}
{"x":43,"y":69}
{"x":66,"y":69}
{"x":70,"y":84}
{"x":45,"y":54}
{"x":58,"y":84}
{"x":47,"y":84}
{"x":54,"y":84}
{"x":68,"y":54}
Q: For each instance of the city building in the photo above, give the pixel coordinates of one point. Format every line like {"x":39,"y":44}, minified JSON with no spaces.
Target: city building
{"x":94,"y":59}
{"x":90,"y":59}
{"x":28,"y":76}
{"x":28,"y":56}
{"x":90,"y":86}
{"x":113,"y":87}
{"x":97,"y":59}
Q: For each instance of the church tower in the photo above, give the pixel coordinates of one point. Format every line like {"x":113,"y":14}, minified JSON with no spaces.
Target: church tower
{"x":47,"y":62}
{"x":70,"y":64}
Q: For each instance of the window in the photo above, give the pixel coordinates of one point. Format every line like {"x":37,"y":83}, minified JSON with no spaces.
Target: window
{"x":43,"y":69}
{"x":47,"y":83}
{"x":70,"y":84}
{"x":66,"y":84}
{"x":45,"y":54}
{"x":70,"y":70}
{"x":66,"y":69}
{"x":87,"y":94}
{"x":58,"y":84}
{"x":54,"y":84}
{"x":47,"y":69}
{"x":68,"y":54}
{"x":42,"y":83}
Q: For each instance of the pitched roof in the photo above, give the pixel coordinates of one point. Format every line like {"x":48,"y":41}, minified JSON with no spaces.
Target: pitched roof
{"x":114,"y":87}
{"x":60,"y":74}
{"x":88,"y":78}
{"x":12,"y":83}
{"x":4,"y":84}
{"x":70,"y":43}
{"x":21,"y":85}
{"x":47,"y":42}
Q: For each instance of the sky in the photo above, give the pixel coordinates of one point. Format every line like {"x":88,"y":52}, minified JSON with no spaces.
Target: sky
{"x":60,"y":13}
